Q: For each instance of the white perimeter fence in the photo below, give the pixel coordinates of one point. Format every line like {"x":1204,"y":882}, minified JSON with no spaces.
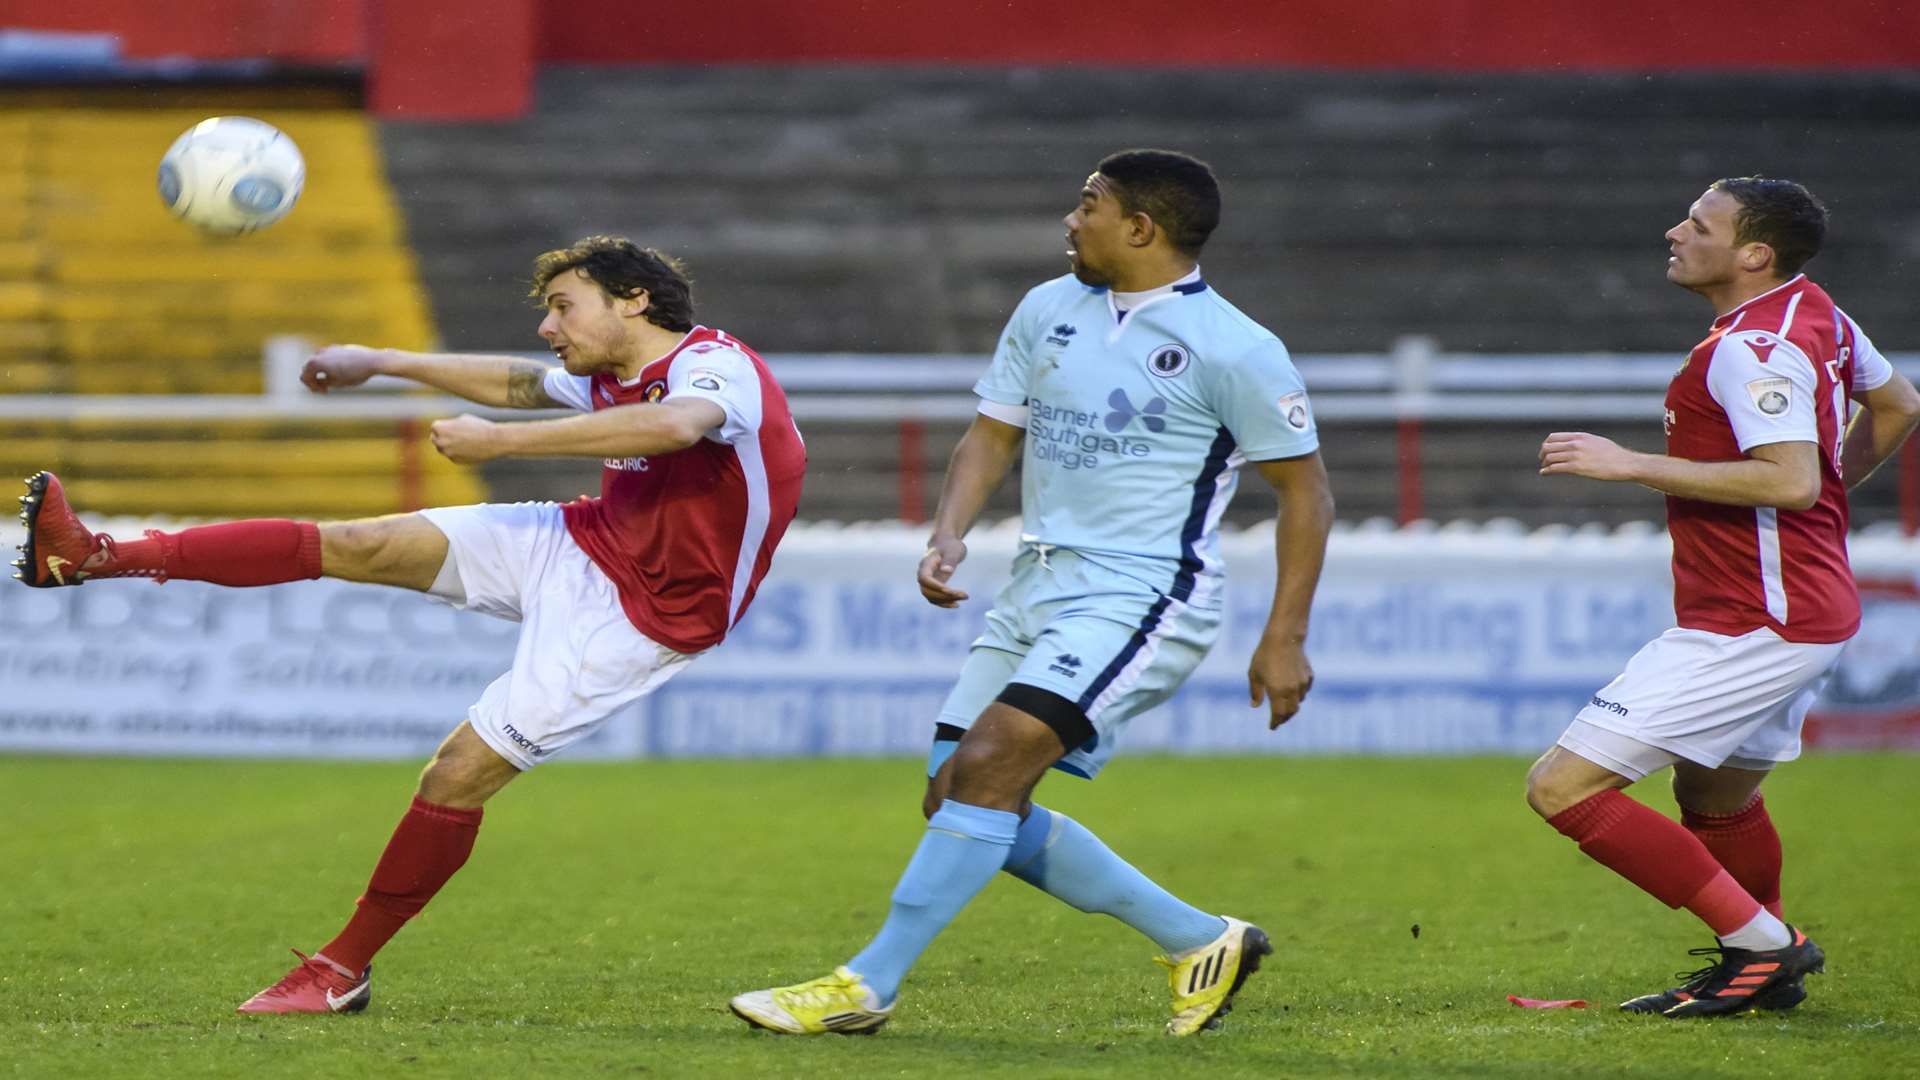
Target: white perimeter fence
{"x":1456,"y":640}
{"x":1445,"y":641}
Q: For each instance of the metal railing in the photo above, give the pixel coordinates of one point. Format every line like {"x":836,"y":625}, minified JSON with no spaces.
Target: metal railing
{"x":1411,"y":386}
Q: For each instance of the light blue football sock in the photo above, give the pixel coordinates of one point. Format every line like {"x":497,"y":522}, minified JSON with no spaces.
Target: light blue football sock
{"x":1057,"y":855}
{"x":963,"y":848}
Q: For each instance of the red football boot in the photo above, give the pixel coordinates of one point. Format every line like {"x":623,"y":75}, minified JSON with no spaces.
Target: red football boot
{"x":314,"y":987}
{"x":59,"y":549}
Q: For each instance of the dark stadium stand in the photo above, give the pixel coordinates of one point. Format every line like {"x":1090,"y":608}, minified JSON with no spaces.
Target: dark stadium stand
{"x":898,"y":209}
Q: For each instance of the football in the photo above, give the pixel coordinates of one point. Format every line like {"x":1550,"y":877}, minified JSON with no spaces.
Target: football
{"x":231,"y":175}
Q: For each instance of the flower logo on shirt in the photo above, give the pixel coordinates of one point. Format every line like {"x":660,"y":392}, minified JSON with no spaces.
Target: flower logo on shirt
{"x":1124,"y":412}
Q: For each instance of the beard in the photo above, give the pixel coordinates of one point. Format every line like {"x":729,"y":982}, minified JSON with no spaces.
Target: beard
{"x":584,"y":361}
{"x":1087,"y":275}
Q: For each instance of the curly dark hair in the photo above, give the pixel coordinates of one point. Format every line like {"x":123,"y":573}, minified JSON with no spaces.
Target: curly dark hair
{"x":1781,"y":214}
{"x":624,"y":268}
{"x":1178,"y":191}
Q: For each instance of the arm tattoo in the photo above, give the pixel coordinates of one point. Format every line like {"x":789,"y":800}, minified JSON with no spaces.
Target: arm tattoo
{"x":527,"y":387}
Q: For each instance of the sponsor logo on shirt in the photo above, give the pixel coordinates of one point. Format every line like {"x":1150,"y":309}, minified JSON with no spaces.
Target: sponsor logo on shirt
{"x":1294,"y":407}
{"x":1771,"y":396}
{"x":1762,"y":347}
{"x":1062,"y":334}
{"x":1614,"y":707}
{"x":1168,"y":360}
{"x":706,"y":379}
{"x":1082,"y":439}
{"x":1124,"y":412}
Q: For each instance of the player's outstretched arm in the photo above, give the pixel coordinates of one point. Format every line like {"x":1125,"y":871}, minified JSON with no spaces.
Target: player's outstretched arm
{"x":625,"y":431}
{"x":500,"y":381}
{"x":1892,"y":412}
{"x":1784,"y":475}
{"x":1279,"y":671}
{"x":979,"y":464}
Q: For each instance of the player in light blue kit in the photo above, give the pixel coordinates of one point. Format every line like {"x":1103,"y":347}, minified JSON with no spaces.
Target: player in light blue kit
{"x":1139,"y":393}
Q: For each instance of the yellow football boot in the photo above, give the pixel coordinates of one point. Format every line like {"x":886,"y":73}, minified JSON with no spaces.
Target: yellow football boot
{"x":840,"y":1003}
{"x":1205,"y":979}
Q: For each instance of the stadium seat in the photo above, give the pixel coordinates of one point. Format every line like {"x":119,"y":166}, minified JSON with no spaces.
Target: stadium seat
{"x":129,"y":300}
{"x":234,"y":468}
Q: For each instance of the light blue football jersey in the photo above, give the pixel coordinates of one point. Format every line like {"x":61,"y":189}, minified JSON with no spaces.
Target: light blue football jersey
{"x":1138,"y":424}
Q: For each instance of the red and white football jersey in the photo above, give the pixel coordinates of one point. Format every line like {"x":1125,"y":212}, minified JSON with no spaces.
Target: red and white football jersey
{"x":687,"y":536}
{"x":1779,"y":368}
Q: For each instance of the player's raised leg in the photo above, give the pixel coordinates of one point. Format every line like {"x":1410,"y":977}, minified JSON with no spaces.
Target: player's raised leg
{"x":404,"y":550}
{"x":431,"y":843}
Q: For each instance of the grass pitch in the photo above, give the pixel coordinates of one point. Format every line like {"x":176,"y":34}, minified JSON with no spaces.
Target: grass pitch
{"x":610,"y":910}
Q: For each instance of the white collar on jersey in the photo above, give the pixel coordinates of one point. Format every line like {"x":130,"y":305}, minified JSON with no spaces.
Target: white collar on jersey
{"x":635,"y":381}
{"x":1123,"y":304}
{"x":1129,"y":301}
{"x":1740,"y":311}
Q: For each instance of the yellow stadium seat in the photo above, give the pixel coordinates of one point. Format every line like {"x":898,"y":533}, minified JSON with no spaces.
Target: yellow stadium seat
{"x":307,"y":468}
{"x":103,"y":292}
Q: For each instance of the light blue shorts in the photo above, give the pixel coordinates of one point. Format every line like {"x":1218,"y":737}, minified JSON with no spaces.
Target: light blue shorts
{"x":1101,"y":639}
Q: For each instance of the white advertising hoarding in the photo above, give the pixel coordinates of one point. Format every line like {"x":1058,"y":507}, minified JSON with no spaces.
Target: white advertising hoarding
{"x":1449,"y":641}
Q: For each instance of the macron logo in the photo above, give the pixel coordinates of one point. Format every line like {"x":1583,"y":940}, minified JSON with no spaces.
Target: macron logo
{"x":1762,"y":348}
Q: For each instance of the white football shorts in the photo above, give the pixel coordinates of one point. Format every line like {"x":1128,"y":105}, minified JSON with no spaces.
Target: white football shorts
{"x":1706,"y":698}
{"x":579,"y":658}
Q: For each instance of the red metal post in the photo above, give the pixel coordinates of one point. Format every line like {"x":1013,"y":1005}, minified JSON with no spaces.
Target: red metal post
{"x":913,"y":435}
{"x":413,"y":479}
{"x":1407,"y":455}
{"x":1910,"y":486}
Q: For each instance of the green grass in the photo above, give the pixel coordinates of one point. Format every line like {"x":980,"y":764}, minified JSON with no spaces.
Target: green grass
{"x":610,"y":910}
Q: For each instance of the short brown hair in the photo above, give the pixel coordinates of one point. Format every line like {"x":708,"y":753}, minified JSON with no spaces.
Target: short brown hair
{"x":624,"y":268}
{"x":1781,"y":214}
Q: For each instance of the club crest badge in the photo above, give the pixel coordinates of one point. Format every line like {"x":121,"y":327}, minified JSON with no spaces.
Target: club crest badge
{"x":1168,"y":360}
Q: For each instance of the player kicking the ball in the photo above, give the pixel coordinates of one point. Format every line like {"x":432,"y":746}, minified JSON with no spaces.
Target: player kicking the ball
{"x":1138,"y":393}
{"x":617,"y":594}
{"x":1762,"y":445}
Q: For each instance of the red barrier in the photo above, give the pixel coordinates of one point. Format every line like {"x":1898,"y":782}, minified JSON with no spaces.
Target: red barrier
{"x":913,"y":471}
{"x":410,"y":437}
{"x":308,"y":32}
{"x":1909,"y":478}
{"x":1412,"y":495}
{"x":1443,"y":35}
{"x":452,"y":59}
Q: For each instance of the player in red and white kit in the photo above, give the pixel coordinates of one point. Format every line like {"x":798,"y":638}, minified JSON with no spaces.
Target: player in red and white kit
{"x":1770,"y":420}
{"x":616,"y":594}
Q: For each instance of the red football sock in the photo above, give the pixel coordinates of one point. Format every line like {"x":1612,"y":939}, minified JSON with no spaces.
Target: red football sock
{"x":1746,"y":844}
{"x":266,"y":551}
{"x":430,"y":844}
{"x":1658,"y":854}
